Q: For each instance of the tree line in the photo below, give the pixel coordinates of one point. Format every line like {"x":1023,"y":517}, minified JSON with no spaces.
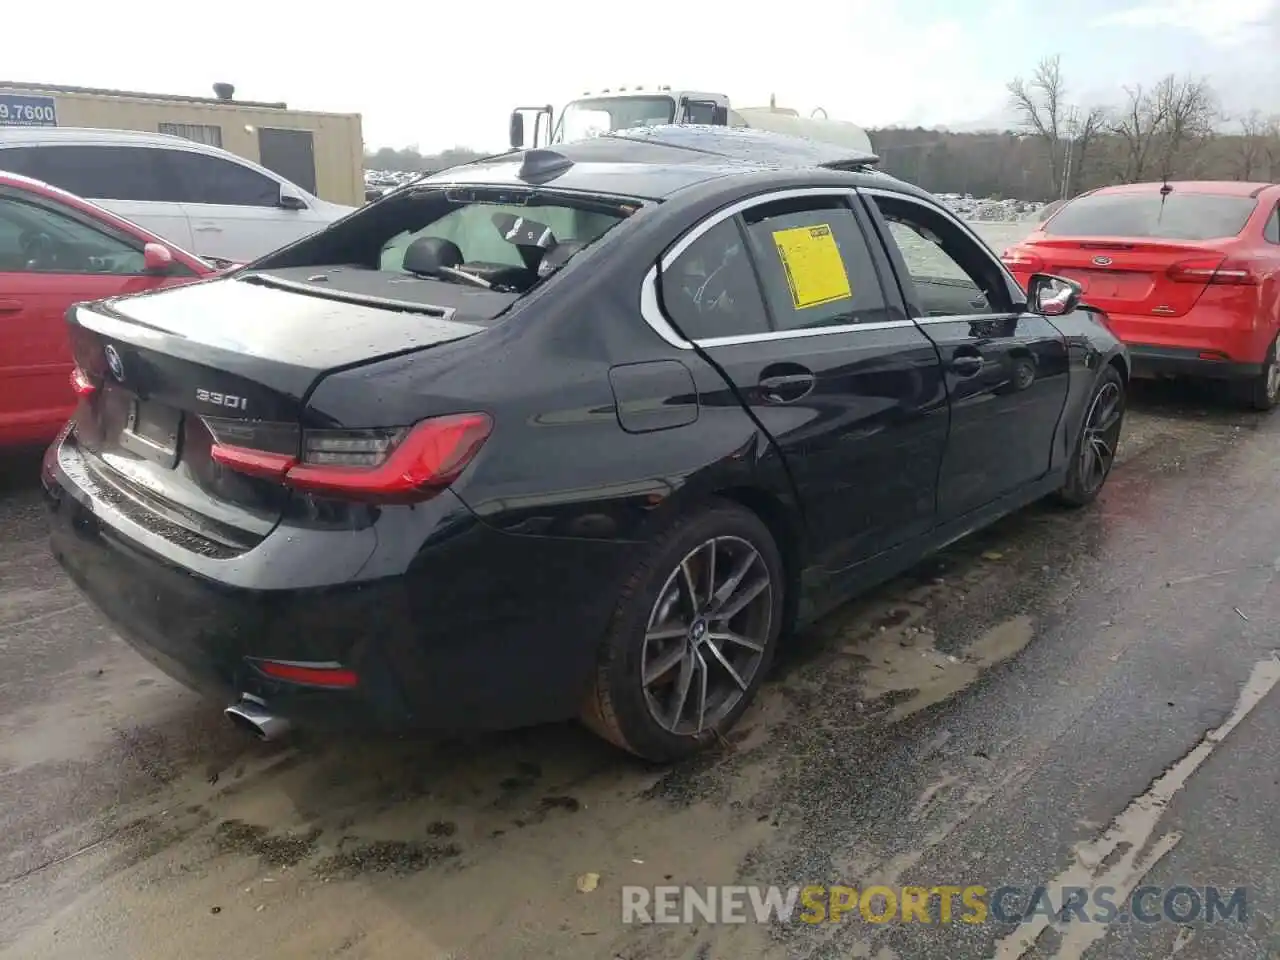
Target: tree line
{"x":1172,"y":129}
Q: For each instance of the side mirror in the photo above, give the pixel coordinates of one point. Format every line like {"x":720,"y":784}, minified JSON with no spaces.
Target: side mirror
{"x":291,"y":199}
{"x":515,"y":133}
{"x":156,"y":258}
{"x":1052,"y":296}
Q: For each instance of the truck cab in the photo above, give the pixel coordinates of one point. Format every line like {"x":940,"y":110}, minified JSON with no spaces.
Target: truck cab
{"x":594,"y":114}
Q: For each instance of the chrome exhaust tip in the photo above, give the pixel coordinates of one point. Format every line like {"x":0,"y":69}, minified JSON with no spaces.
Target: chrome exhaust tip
{"x":257,"y":719}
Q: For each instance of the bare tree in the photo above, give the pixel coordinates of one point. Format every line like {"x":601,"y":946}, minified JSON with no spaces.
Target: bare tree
{"x":1040,"y":103}
{"x":1137,"y":125}
{"x":1084,"y":136}
{"x":1250,"y":145}
{"x":1189,"y":109}
{"x":1271,"y":148}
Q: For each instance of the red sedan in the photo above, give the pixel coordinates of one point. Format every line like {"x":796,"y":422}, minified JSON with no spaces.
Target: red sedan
{"x":1187,"y":273}
{"x":56,"y":250}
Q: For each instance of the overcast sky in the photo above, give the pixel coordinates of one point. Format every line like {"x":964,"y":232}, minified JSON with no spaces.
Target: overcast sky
{"x":439,"y":74}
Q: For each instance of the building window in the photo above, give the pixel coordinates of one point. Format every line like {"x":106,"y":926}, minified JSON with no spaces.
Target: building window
{"x":199,"y":132}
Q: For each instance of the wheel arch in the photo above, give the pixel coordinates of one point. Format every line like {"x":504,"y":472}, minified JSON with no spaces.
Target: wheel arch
{"x":1121,"y":363}
{"x":788,"y":533}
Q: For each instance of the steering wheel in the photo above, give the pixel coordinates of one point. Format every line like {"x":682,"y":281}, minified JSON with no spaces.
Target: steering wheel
{"x":39,"y":248}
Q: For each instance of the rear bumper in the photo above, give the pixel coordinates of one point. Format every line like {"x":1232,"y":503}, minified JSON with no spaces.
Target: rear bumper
{"x":1153,"y":361}
{"x":480,"y":630}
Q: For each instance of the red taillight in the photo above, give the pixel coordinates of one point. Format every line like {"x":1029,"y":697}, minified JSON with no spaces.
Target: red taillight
{"x":81,"y":383}
{"x":256,"y":463}
{"x":1236,"y":273}
{"x":1022,"y":261}
{"x":1216,"y":270}
{"x":312,"y":674}
{"x":376,"y":466}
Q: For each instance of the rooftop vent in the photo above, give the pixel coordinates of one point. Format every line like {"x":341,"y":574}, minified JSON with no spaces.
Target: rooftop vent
{"x":224,"y":91}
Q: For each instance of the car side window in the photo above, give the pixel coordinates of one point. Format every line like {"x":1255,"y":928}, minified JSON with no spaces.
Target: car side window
{"x":815,"y":265}
{"x":200,"y":178}
{"x":710,"y":290}
{"x":89,"y":170}
{"x":36,"y":239}
{"x":950,"y":274}
{"x":1272,"y":232}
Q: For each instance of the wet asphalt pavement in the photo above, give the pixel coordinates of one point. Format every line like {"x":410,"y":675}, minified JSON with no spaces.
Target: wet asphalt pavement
{"x":1068,"y":699}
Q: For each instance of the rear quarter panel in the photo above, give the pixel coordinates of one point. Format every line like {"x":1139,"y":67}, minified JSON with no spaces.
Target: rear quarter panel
{"x":1090,"y":348}
{"x":559,"y":462}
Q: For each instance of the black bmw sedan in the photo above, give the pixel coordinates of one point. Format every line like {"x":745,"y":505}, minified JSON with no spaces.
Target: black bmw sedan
{"x":583,"y":433}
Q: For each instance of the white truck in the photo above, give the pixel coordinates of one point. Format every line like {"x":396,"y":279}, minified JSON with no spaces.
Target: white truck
{"x":608,"y":110}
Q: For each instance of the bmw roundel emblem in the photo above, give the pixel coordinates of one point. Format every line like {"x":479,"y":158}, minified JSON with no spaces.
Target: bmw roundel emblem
{"x":114,"y":362}
{"x":1102,"y":261}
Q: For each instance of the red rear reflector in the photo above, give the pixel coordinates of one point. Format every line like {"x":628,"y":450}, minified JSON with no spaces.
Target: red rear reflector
{"x":424,"y":462}
{"x":1022,"y":261}
{"x":81,"y":383}
{"x":1213,"y":356}
{"x":256,"y":463}
{"x":313,"y":674}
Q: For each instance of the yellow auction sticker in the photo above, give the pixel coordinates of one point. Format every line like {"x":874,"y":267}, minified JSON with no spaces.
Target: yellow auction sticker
{"x":811,"y":260}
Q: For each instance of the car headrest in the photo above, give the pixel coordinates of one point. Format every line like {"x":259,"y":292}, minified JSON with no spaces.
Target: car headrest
{"x":426,"y":255}
{"x":558,"y":256}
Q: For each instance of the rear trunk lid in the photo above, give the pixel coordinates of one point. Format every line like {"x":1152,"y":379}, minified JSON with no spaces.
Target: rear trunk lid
{"x":1148,"y":249}
{"x":1133,"y":275}
{"x":232,"y":361}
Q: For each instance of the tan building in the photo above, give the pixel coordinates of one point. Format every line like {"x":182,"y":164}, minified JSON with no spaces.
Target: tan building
{"x":320,"y":152}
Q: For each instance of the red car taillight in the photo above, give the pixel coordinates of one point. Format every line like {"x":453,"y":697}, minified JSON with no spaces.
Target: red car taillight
{"x":1215,"y":270}
{"x":1019,"y":260}
{"x":81,"y":384}
{"x":403,"y":465}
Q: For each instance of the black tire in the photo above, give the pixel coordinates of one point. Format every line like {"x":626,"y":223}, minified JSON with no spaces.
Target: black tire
{"x":1263,"y":391}
{"x":1083,"y":482}
{"x":620,"y":707}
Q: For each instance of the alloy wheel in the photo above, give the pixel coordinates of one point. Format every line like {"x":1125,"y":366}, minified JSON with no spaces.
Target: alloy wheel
{"x":706,"y":635}
{"x":1101,"y":436}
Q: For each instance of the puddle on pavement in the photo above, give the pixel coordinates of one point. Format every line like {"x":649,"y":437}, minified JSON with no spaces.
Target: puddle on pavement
{"x":472,"y":847}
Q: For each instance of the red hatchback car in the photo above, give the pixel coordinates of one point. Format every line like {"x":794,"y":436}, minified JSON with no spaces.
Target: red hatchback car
{"x":56,"y":250}
{"x":1187,"y":272}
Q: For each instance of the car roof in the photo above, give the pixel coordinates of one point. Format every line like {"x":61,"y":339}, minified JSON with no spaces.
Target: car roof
{"x":102,"y":136}
{"x":652,"y":163}
{"x":1222,"y":188}
{"x":48,"y":190}
{"x":21,"y":135}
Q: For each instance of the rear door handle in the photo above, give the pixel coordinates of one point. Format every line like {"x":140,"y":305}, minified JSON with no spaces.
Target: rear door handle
{"x":208,"y":228}
{"x":786,"y":387}
{"x":966,"y":365}
{"x":10,"y":306}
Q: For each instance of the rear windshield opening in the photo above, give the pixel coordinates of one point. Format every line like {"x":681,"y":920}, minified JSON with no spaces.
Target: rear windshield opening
{"x":502,"y":240}
{"x":1181,"y":216}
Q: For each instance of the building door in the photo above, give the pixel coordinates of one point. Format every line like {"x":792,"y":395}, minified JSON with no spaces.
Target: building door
{"x":290,"y":153}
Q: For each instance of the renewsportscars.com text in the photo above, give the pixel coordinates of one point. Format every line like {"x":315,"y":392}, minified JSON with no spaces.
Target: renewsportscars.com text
{"x":941,"y":904}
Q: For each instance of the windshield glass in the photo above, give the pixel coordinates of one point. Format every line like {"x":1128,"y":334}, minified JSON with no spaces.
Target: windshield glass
{"x":1182,"y":216}
{"x":495,"y":238}
{"x":583,"y":119}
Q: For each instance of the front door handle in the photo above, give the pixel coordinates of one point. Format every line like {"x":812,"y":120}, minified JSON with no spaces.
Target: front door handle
{"x":208,"y":228}
{"x":10,"y":306}
{"x":786,"y":387}
{"x":966,"y":365}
